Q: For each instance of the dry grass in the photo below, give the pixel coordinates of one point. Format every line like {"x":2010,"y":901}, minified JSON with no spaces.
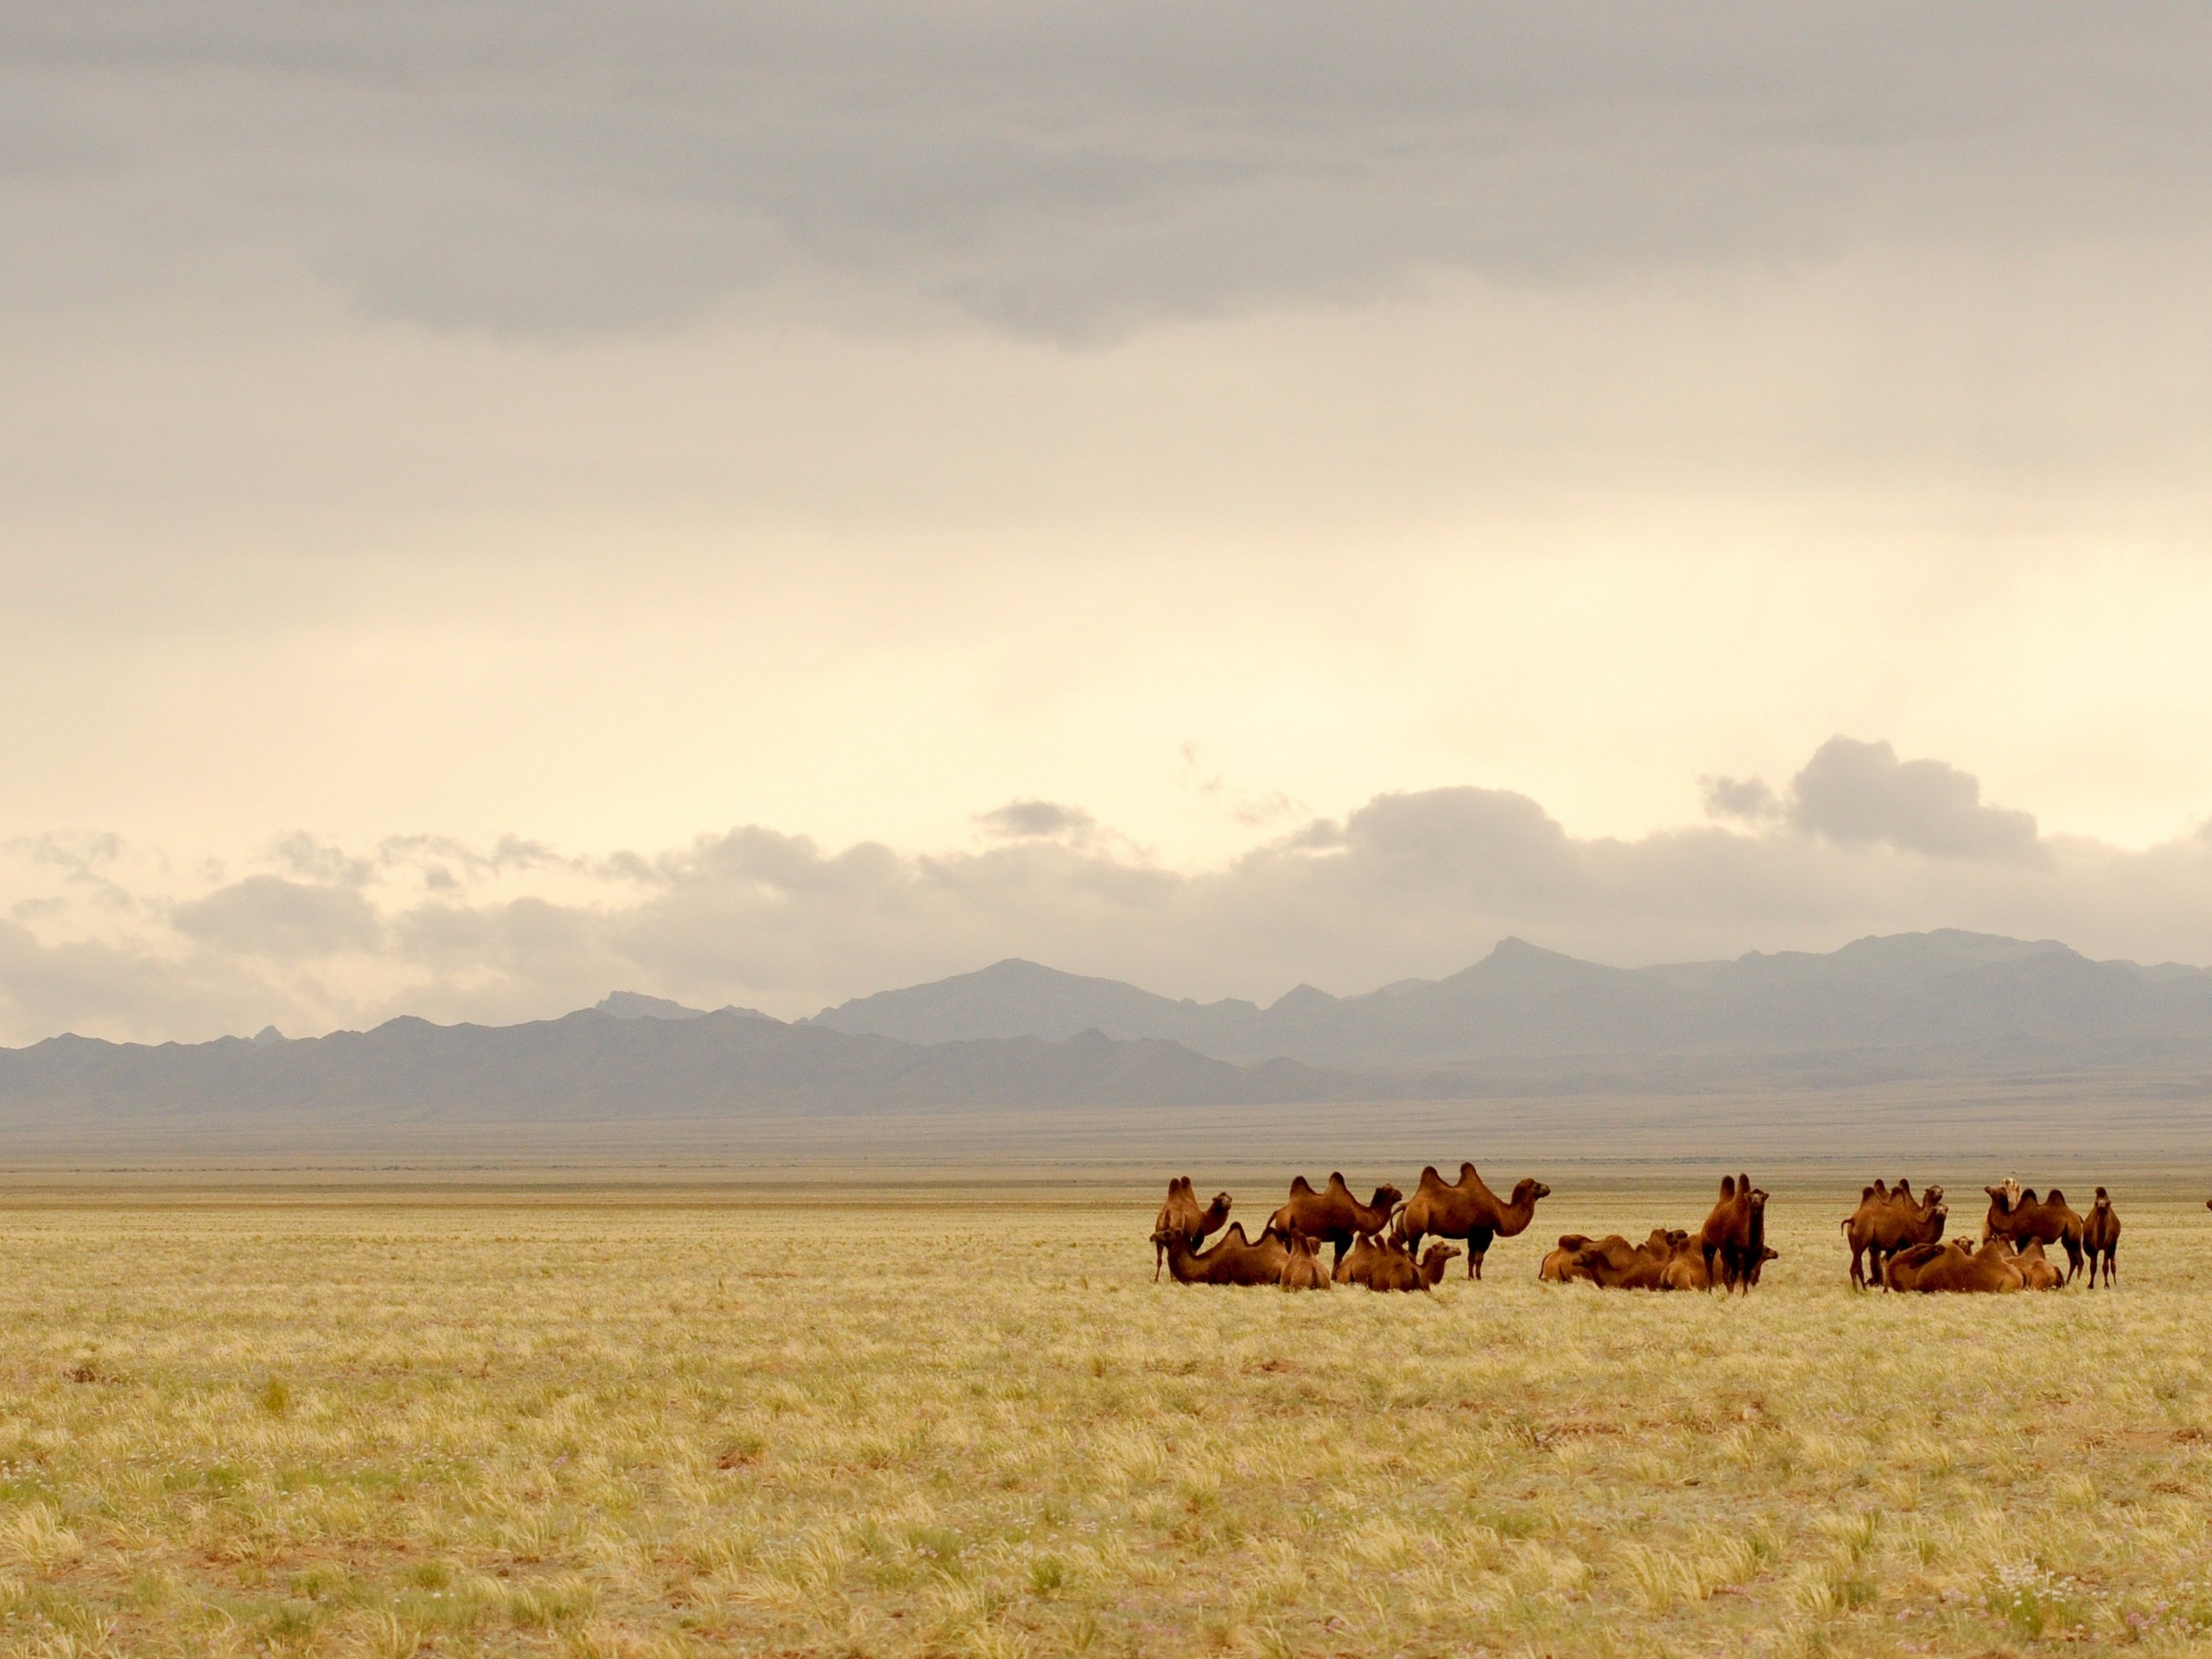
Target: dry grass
{"x":664,"y":1430}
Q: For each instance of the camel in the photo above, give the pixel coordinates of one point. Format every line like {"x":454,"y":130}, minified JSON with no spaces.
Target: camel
{"x":1733,"y":1238}
{"x":1953,"y":1266}
{"x":1397,"y":1270}
{"x":1303,"y":1271}
{"x":2100,"y":1236}
{"x":1233,"y":1260}
{"x":1558,"y":1265}
{"x":1181,"y":1215}
{"x":1466,"y":1210}
{"x":2038,"y":1271}
{"x":1366,"y":1250}
{"x":2017,"y":1217}
{"x":1642,"y":1268}
{"x":1887,"y":1220}
{"x":1685,"y":1268}
{"x":1332,"y":1213}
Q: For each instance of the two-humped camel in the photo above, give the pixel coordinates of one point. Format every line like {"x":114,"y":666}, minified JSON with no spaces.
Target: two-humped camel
{"x":1732,"y":1241}
{"x":2020,"y":1218}
{"x":1182,"y":1218}
{"x":1332,"y":1215}
{"x":1466,"y":1210}
{"x":1234,"y":1259}
{"x":1887,"y":1220}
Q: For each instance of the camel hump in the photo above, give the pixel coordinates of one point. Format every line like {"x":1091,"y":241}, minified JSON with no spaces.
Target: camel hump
{"x":2029,"y":1197}
{"x":1902,"y":1189}
{"x":1876,"y":1191}
{"x":1727,"y":1186}
{"x":1867,"y":1192}
{"x":2056,"y":1197}
{"x":1428,"y":1174}
{"x":1300,"y":1186}
{"x":1336,"y":1181}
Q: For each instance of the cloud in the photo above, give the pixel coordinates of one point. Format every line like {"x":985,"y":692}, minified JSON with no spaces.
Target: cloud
{"x":1060,"y":169}
{"x":1751,"y":799}
{"x":1410,"y":882}
{"x":1851,"y":790}
{"x":283,"y":921}
{"x":1035,"y":820}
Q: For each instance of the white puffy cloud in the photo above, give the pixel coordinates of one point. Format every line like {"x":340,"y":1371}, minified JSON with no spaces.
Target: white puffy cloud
{"x":1412,"y":882}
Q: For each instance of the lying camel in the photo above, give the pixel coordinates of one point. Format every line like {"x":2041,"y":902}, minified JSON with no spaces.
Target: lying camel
{"x":1642,"y":1268}
{"x":1887,"y":1220}
{"x":1953,"y":1266}
{"x":1333,"y":1214}
{"x":2038,"y":1271}
{"x":1233,"y":1260}
{"x":1181,"y":1215}
{"x":2018,"y":1218}
{"x":1466,"y":1210}
{"x":2100,"y":1236}
{"x":1355,"y":1269}
{"x":1733,"y":1239}
{"x":1398,"y":1271}
{"x":1558,"y":1265}
{"x":1303,"y":1271}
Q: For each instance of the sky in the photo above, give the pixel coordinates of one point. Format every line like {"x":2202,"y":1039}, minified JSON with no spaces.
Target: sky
{"x":757,"y":505}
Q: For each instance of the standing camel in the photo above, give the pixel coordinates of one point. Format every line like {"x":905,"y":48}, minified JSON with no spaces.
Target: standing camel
{"x":1469,"y":1210}
{"x":1332,"y":1213}
{"x":2100,"y":1236}
{"x":1887,"y":1220}
{"x":2018,"y":1218}
{"x":1181,"y":1217}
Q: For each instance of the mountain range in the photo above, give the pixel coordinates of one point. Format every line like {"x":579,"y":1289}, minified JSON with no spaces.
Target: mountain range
{"x":1949,"y":996}
{"x":1018,"y":1035}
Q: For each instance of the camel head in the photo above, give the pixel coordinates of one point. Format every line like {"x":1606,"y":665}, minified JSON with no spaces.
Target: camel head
{"x":1435,"y":1259}
{"x":1528,"y":1191}
{"x":2103,"y":1201}
{"x":1217,"y":1211}
{"x":1756,"y":1200}
{"x":1386,"y":1197}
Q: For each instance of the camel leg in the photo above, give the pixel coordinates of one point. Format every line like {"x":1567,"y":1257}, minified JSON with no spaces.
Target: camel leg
{"x":1340,"y":1245}
{"x":2073,"y":1257}
{"x":1709,"y":1252}
{"x":1858,"y":1271}
{"x":1159,"y":1255}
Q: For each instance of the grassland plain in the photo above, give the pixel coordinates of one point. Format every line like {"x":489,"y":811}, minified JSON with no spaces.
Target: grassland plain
{"x":978,"y":1427}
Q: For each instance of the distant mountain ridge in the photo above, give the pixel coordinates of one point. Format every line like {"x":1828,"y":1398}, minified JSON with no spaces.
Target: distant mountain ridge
{"x":594,"y":1067}
{"x":1948,"y":989}
{"x":1523,"y":1022}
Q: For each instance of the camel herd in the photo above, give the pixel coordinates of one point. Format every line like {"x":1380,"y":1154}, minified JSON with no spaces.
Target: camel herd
{"x":1896,"y":1239}
{"x":1377,"y":1243}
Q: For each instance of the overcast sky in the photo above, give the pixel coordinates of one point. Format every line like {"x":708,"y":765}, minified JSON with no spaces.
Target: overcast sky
{"x":762,"y":503}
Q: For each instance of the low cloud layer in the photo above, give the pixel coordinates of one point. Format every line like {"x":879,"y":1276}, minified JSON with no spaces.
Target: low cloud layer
{"x":1063,"y":168}
{"x":1409,"y":883}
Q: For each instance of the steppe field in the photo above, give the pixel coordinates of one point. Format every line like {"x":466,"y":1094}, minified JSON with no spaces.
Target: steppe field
{"x":956,"y":1423}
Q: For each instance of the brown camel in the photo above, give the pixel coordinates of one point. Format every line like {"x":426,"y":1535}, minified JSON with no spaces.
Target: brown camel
{"x":1303,"y":1271}
{"x":2100,"y":1236}
{"x":1887,"y":1220}
{"x":1181,"y":1215}
{"x":2038,"y":1271}
{"x":1642,"y":1268}
{"x":1333,"y":1214}
{"x":1397,"y":1270}
{"x":1233,"y":1260}
{"x":1733,"y":1238}
{"x":1558,"y":1266}
{"x":1685,"y":1268}
{"x":2018,"y":1218}
{"x":1953,"y":1266}
{"x":1466,"y":1210}
{"x":1366,"y":1250}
